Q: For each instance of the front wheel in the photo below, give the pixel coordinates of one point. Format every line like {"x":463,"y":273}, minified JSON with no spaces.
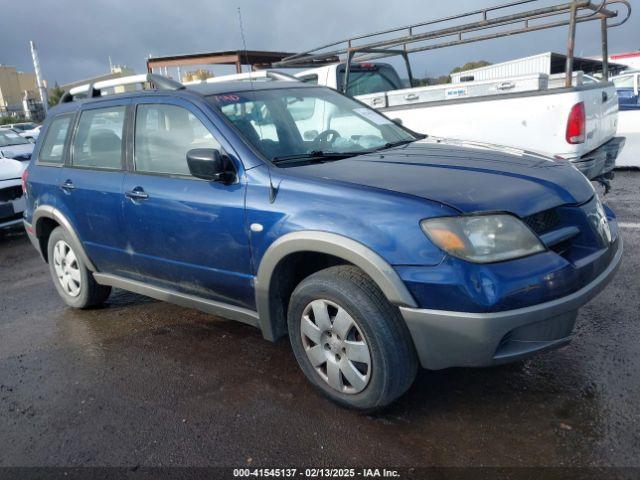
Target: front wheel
{"x":73,"y":281}
{"x":350,"y":342}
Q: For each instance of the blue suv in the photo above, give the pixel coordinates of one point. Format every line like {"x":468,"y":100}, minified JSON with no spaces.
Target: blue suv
{"x":302,"y":212}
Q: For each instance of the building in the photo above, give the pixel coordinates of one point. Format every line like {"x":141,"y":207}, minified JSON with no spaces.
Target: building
{"x":548,"y":63}
{"x":630,"y":59}
{"x":19,"y":95}
{"x":117,"y":71}
{"x":200,"y":74}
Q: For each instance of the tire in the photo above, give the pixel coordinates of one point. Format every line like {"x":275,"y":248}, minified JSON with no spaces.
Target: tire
{"x":358,"y":318}
{"x":72,"y":280}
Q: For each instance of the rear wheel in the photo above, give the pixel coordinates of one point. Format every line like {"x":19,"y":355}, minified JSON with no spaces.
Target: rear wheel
{"x":72,"y":279}
{"x":350,"y":342}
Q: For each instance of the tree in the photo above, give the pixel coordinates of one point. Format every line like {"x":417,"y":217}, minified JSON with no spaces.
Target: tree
{"x":55,"y":94}
{"x":8,"y":120}
{"x":471,"y":66}
{"x":444,"y":79}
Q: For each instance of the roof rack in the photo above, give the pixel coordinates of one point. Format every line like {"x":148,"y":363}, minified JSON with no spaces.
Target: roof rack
{"x":260,"y":75}
{"x":93,"y":90}
{"x":491,"y":22}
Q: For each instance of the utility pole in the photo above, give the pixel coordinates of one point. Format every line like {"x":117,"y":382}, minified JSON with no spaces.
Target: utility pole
{"x":36,"y":66}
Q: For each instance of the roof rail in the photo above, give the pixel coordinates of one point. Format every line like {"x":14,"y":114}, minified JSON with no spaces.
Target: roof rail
{"x":92,"y":90}
{"x":260,"y":75}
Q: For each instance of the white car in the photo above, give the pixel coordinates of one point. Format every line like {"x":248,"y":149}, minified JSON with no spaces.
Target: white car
{"x":12,"y":201}
{"x":27,"y":130}
{"x":15,"y":153}
{"x":14,"y":146}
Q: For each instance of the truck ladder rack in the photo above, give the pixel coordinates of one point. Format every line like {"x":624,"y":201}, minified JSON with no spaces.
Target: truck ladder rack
{"x":413,"y":38}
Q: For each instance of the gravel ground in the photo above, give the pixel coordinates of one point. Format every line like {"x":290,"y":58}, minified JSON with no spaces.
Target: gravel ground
{"x":141,"y":382}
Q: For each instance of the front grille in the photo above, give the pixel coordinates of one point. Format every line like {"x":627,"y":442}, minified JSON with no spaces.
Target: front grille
{"x":543,"y":222}
{"x":10,"y":193}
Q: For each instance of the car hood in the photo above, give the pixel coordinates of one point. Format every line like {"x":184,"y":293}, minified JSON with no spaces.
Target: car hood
{"x":469,"y":176}
{"x":10,"y":169}
{"x":22,"y":151}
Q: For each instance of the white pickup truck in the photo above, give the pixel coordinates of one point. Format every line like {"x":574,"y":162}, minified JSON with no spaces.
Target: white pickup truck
{"x":577,"y":124}
{"x":628,"y":85}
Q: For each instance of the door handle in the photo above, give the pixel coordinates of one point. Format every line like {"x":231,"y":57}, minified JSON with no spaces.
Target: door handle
{"x":411,"y":96}
{"x":67,"y":185}
{"x":136,"y":194}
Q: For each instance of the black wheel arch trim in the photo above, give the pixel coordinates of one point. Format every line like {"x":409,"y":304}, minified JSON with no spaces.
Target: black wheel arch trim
{"x":47,"y":211}
{"x":333,"y":244}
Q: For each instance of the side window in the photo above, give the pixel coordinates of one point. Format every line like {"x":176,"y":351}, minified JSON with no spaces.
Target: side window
{"x":98,"y":140}
{"x":310,"y":79}
{"x":53,"y":145}
{"x":164,"y":135}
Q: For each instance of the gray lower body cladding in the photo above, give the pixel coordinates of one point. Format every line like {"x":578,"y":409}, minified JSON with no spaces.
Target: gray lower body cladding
{"x":446,"y":339}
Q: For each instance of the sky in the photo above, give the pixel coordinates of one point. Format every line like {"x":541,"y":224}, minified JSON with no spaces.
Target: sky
{"x":76,"y":37}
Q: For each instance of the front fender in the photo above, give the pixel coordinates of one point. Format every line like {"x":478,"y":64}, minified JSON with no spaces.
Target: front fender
{"x":331,"y":244}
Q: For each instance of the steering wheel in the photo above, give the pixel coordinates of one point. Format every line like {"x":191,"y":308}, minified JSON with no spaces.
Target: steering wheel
{"x":326,"y":138}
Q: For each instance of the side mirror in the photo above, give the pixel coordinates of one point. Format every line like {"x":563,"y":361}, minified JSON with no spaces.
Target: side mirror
{"x":397,"y":121}
{"x":209,"y":164}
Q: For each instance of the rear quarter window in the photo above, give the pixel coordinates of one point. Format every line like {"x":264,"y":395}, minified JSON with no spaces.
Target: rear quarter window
{"x":52,"y":150}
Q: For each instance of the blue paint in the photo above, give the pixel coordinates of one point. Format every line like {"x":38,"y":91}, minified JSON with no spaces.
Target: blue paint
{"x":193,"y":235}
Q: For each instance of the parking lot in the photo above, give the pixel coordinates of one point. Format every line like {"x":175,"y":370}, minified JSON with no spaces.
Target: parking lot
{"x":142,"y":382}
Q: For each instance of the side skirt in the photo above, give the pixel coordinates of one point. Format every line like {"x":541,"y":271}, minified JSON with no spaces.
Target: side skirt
{"x":230,"y":312}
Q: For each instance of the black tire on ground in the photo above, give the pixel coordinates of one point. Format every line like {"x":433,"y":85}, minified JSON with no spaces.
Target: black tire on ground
{"x":91,"y":294}
{"x":394,"y":362}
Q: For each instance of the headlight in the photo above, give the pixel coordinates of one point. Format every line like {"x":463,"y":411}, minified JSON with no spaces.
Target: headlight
{"x":482,"y":238}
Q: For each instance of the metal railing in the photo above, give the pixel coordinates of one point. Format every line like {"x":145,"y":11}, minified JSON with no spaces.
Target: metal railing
{"x":478,"y":25}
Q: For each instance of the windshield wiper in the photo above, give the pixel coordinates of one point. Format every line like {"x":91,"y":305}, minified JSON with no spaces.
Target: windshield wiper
{"x":394,"y":144}
{"x":316,"y":155}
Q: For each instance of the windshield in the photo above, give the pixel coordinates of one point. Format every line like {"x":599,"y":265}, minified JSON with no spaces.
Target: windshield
{"x":8,"y":137}
{"x":308,"y":122}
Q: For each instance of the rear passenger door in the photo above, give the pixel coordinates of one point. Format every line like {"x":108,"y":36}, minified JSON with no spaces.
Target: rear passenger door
{"x":185,"y":234}
{"x":91,"y":182}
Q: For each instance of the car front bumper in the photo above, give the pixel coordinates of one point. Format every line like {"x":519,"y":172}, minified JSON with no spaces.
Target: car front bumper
{"x":446,"y":339}
{"x":11,"y":205}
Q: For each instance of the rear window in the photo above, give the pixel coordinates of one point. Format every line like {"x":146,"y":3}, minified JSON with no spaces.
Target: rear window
{"x":52,"y":150}
{"x":373,"y":79}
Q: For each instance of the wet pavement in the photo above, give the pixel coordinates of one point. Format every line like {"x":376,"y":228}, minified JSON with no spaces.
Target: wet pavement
{"x":141,"y":382}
